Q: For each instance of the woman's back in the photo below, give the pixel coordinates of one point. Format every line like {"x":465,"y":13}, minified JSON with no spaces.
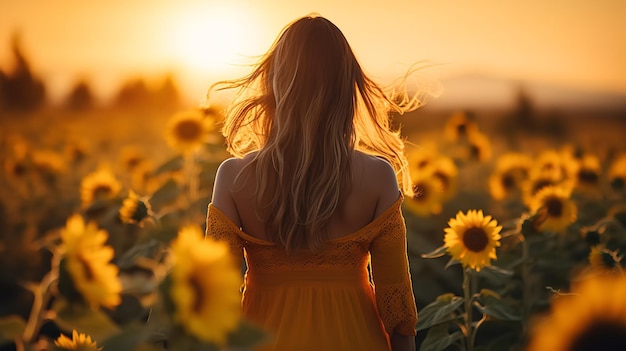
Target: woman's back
{"x":373,"y":190}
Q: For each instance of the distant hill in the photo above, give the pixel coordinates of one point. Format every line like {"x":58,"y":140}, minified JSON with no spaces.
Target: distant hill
{"x":476,"y":91}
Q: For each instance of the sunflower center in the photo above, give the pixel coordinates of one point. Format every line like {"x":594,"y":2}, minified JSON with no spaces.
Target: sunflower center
{"x":419,"y":192}
{"x":188,"y":130}
{"x":554,"y":207}
{"x":19,"y":169}
{"x":102,"y":191}
{"x":199,"y":293}
{"x":600,"y":335}
{"x":461,"y":129}
{"x":422,"y":163}
{"x":475,"y":239}
{"x":140,"y":212}
{"x":617,"y":183}
{"x":132,"y":162}
{"x":592,"y":237}
{"x":588,"y":176}
{"x":474,"y":151}
{"x":607,"y":260}
{"x":507,"y":181}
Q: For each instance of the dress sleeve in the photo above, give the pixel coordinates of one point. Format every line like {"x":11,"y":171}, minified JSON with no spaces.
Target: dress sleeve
{"x":391,"y":276}
{"x":219,"y":227}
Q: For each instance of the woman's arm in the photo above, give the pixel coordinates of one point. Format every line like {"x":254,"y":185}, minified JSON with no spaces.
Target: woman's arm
{"x":401,"y":342}
{"x":390,"y":268}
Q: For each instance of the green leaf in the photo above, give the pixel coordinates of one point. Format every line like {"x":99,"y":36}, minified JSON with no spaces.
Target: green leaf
{"x":620,"y":217}
{"x":492,"y":305}
{"x":127,"y":339}
{"x":451,"y":263}
{"x":438,"y":338}
{"x":94,"y":323}
{"x":439,"y":311}
{"x":142,"y":249}
{"x":166,"y":194}
{"x":173,"y":164}
{"x":165,"y":234}
{"x":496,"y":272}
{"x":438,"y":252}
{"x":11,"y":327}
{"x":246,"y":336}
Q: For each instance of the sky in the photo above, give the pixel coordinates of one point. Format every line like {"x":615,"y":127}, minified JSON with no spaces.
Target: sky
{"x":573,"y":43}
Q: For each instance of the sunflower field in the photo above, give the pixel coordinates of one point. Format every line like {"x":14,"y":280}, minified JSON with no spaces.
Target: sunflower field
{"x":515,"y":235}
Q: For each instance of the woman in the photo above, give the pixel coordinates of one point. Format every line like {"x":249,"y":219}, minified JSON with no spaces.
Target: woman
{"x":313,"y":197}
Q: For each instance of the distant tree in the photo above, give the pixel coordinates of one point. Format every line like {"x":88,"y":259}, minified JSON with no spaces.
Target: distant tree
{"x":133,"y":93}
{"x":20,"y":89}
{"x":80,"y":97}
{"x":3,"y":78}
{"x":167,"y":95}
{"x":524,"y":112}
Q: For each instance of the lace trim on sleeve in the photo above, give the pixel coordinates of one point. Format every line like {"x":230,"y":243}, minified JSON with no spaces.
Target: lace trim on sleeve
{"x":222,"y":230}
{"x":396,"y":308}
{"x":392,"y":278}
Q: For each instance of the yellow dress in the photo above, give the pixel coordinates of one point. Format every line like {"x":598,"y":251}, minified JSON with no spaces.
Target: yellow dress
{"x":327,"y":301}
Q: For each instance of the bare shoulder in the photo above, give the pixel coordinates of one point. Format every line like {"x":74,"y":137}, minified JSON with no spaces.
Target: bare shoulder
{"x":380,"y":177}
{"x":222,"y":196}
{"x":229,"y":168}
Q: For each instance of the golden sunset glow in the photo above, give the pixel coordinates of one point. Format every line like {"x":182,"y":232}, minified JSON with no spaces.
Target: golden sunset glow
{"x":208,"y":40}
{"x":204,"y":41}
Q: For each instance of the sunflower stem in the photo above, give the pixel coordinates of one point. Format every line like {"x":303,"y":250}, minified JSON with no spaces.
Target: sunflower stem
{"x":475,"y":330}
{"x":468,"y":309}
{"x":526,"y":284}
{"x":19,"y":344}
{"x":42,"y":296}
{"x":192,"y":177}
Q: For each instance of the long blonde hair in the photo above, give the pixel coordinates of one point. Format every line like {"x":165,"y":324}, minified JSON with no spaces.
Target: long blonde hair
{"x":305,"y":108}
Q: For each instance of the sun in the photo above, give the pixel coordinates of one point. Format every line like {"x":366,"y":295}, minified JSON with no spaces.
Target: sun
{"x":211,"y":39}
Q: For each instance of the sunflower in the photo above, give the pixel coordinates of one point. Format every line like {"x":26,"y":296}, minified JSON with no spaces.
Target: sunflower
{"x":427,"y":194}
{"x":79,"y":341}
{"x":48,"y":162}
{"x":592,"y":236}
{"x":134,"y":209}
{"x":187,"y":130}
{"x":552,"y":160}
{"x":600,"y":258}
{"x":472,"y":238}
{"x":130,"y":158}
{"x":16,"y":169}
{"x":478,"y":147}
{"x":617,"y":173}
{"x":420,"y":159}
{"x":86,"y":259}
{"x":446,"y":171}
{"x":459,"y":126}
{"x":539,"y":179}
{"x":554,"y":208}
{"x":587,"y":173}
{"x":511,"y":171}
{"x":99,"y":185}
{"x":205,"y":285}
{"x":76,"y":150}
{"x":592,"y":317}
{"x":143,"y":179}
